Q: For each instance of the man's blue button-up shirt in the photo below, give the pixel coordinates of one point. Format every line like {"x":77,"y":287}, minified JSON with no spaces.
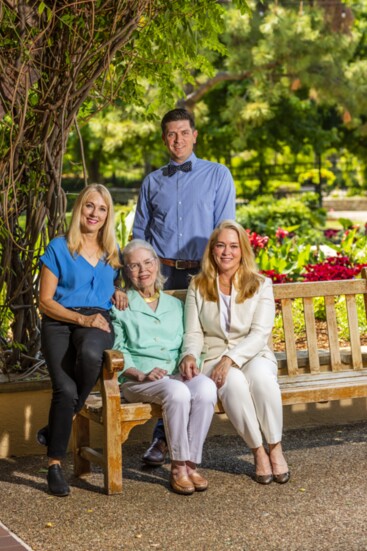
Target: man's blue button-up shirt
{"x":177,"y":214}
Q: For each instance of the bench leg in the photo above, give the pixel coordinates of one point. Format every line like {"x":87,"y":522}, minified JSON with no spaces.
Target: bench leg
{"x":112,"y":439}
{"x":112,"y":472}
{"x":81,"y":438}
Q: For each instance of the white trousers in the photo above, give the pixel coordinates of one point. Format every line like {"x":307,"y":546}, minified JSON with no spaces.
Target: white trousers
{"x":252,"y":401}
{"x":188,"y":408}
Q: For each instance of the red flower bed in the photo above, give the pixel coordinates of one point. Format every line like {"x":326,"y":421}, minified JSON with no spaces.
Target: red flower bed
{"x":275,"y":277}
{"x":334,"y":267}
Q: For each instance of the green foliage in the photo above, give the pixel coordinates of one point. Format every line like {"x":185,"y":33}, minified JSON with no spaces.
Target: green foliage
{"x":265,"y":216}
{"x":314,"y":176}
{"x":288,"y":257}
{"x":124,"y":219}
{"x":292,"y":82}
{"x":354,"y":245}
{"x":294,"y":72}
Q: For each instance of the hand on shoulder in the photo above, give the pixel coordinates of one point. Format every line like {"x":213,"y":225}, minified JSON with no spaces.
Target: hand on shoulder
{"x":119,"y":299}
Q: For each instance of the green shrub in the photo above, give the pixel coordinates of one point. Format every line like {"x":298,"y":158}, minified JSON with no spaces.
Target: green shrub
{"x":266,"y":215}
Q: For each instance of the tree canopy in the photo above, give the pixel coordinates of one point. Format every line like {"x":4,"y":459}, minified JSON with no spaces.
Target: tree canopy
{"x":292,"y":79}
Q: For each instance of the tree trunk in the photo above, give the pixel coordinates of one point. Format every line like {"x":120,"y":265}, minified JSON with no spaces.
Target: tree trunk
{"x":54,"y":58}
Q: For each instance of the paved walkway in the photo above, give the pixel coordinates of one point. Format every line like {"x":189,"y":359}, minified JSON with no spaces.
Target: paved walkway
{"x":359,"y":216}
{"x":322,"y":508}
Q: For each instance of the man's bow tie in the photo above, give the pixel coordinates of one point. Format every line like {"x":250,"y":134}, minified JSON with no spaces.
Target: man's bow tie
{"x":185,"y":167}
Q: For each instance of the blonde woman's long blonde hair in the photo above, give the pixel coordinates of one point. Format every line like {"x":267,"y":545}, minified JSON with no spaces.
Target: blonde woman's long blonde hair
{"x":246,"y":280}
{"x":106,"y":235}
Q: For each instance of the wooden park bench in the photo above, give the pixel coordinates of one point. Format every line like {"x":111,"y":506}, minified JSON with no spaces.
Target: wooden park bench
{"x":305,"y":376}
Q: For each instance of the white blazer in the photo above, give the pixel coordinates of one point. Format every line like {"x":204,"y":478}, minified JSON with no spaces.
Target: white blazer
{"x":251,"y":323}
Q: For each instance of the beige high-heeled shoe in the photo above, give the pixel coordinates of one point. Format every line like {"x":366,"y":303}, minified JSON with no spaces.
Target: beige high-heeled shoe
{"x":263,"y":478}
{"x":282,"y":478}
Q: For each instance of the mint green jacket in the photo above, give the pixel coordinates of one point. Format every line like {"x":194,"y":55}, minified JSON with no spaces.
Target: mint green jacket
{"x":149,"y":339}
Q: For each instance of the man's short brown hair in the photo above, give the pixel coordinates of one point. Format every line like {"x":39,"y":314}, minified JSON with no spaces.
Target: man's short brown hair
{"x":177,"y":115}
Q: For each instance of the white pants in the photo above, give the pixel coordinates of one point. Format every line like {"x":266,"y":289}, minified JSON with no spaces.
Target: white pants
{"x":188,"y":408}
{"x":252,"y":401}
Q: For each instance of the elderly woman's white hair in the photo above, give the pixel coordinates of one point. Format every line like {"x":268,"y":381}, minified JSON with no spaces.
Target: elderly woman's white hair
{"x":133,"y":246}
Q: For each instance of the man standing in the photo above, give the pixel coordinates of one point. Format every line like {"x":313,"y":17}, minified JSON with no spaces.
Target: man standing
{"x":179,"y":205}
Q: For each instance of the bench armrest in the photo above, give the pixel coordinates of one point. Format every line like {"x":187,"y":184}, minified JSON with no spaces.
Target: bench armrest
{"x":113,"y":361}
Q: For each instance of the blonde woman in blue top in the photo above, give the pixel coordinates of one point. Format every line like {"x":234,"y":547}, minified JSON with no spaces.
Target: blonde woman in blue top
{"x":77,"y":289}
{"x":149,"y":333}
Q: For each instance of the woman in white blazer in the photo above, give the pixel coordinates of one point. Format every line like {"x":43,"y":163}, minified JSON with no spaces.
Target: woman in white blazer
{"x":229,"y":315}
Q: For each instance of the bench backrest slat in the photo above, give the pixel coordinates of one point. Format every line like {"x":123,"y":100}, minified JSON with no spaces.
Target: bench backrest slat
{"x":332,"y":328}
{"x":290,"y":344}
{"x":309,"y":313}
{"x":178,"y":293}
{"x":355,"y":343}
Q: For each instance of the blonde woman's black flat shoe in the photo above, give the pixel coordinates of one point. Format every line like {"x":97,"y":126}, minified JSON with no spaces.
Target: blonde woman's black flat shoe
{"x":57,"y":484}
{"x":264,"y":478}
{"x":282,"y":478}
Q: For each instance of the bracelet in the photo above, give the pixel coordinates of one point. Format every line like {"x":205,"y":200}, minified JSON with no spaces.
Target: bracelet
{"x":118,"y":288}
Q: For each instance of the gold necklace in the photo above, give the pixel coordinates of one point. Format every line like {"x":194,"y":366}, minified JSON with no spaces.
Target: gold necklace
{"x":154,"y":297}
{"x":96,"y":252}
{"x":93,"y":255}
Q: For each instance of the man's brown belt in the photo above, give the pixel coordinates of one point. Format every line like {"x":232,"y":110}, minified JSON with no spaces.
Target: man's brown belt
{"x":180,"y":264}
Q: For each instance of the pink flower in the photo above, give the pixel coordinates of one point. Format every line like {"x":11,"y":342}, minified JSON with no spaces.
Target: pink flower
{"x":330,"y":233}
{"x":275,"y":277}
{"x":257,"y":241}
{"x":281,"y":234}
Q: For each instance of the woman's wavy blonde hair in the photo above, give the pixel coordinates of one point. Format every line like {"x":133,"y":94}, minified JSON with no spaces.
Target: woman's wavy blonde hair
{"x":133,"y":245}
{"x":106,"y":235}
{"x":246,"y":280}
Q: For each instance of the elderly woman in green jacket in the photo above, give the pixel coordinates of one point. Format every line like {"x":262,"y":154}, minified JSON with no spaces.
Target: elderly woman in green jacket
{"x":149,"y":333}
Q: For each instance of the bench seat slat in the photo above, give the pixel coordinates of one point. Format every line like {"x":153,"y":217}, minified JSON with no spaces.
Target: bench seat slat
{"x":303,"y":358}
{"x":311,"y":395}
{"x":324,"y":378}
